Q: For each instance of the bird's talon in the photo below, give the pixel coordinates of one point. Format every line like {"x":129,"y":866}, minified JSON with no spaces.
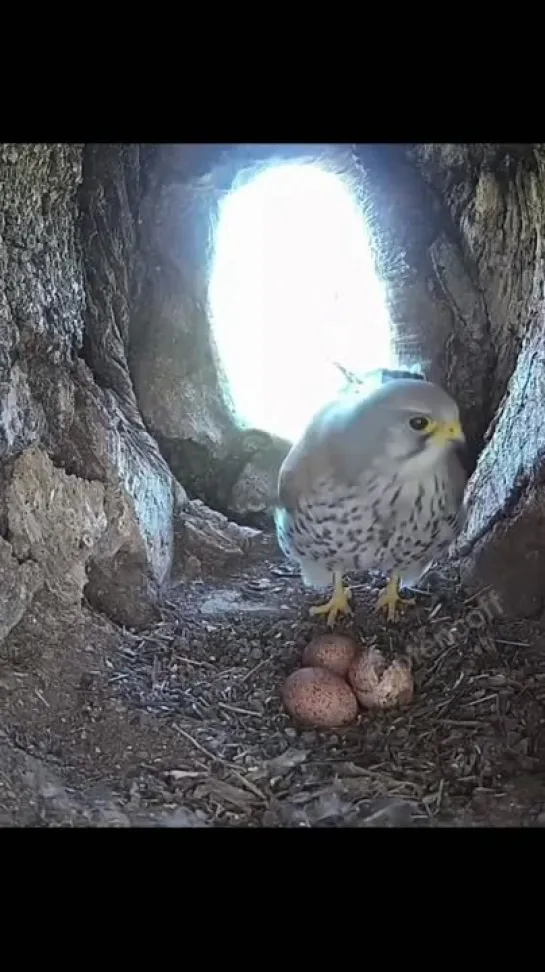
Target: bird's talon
{"x":386,"y":601}
{"x":337,"y":604}
{"x":391,"y":600}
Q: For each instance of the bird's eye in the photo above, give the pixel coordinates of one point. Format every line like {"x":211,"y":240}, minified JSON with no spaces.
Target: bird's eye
{"x":419,"y":423}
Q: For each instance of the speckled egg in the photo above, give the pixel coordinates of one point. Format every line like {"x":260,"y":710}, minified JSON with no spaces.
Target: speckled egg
{"x":336,"y":652}
{"x":379,"y":685}
{"x":318,"y":697}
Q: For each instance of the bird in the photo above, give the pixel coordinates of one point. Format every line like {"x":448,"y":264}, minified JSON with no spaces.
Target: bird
{"x":374,"y":483}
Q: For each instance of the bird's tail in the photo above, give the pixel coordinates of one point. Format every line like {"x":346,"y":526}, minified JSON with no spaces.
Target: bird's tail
{"x":284,"y":531}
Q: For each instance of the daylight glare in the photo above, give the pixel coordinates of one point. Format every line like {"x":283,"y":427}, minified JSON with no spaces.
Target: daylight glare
{"x":293,"y":290}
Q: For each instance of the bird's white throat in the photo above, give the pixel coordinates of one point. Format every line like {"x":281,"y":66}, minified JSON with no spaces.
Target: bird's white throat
{"x":415,"y":465}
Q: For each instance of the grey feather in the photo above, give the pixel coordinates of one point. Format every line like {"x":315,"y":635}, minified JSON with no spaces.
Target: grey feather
{"x":359,"y":491}
{"x":347,"y":434}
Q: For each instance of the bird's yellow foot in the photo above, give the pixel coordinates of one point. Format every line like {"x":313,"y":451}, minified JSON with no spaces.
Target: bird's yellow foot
{"x":390,"y":599}
{"x":338,"y":604}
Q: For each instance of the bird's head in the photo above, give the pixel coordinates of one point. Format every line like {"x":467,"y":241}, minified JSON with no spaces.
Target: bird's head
{"x":419,"y":422}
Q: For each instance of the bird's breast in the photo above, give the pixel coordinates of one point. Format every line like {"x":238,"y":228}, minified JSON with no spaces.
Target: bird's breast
{"x":377,"y":522}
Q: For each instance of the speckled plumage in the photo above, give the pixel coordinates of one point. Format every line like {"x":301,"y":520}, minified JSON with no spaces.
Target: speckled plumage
{"x":362,"y":490}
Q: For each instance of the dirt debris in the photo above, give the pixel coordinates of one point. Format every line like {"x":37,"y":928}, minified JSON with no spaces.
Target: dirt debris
{"x":182,"y":724}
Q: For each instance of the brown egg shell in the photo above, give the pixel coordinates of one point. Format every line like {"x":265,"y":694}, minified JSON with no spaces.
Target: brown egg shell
{"x":335,"y":652}
{"x":317,"y":697}
{"x":378,"y":685}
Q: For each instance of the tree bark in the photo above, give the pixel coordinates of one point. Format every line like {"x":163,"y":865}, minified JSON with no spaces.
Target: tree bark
{"x":484,"y":270}
{"x":106,"y":351}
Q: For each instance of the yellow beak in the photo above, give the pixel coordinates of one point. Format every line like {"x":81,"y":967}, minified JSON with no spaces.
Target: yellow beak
{"x":443,"y":432}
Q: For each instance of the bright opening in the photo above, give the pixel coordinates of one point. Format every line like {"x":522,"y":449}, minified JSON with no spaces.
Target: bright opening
{"x":293,"y":292}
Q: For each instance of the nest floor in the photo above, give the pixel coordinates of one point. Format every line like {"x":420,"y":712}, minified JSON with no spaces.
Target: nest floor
{"x":182,"y":724}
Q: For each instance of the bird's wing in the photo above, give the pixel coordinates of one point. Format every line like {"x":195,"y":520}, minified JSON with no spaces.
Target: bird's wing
{"x":457,"y":477}
{"x":336,"y":441}
{"x":302,"y":463}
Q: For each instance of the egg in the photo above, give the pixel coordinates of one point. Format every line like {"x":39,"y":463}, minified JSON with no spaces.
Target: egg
{"x":335,"y":652}
{"x":379,"y":685}
{"x":318,"y":697}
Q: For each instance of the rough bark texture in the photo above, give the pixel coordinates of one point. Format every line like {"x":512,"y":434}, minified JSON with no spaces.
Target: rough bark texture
{"x":113,"y":402}
{"x":112,"y":406}
{"x":88,"y":505}
{"x":458,"y":235}
{"x":496,"y":195}
{"x":437,"y":308}
{"x":177,"y":375}
{"x":439,"y":311}
{"x":61,"y":276}
{"x":469,"y":223}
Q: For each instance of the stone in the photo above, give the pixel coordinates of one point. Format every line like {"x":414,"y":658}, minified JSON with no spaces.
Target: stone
{"x":460,"y":243}
{"x":227,"y":602}
{"x":209,"y":536}
{"x":256,"y":489}
{"x":178,"y":378}
{"x":134,"y":560}
{"x":173,"y":364}
{"x":19,"y":582}
{"x":54,"y":520}
{"x":104,"y":268}
{"x":68,"y":241}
